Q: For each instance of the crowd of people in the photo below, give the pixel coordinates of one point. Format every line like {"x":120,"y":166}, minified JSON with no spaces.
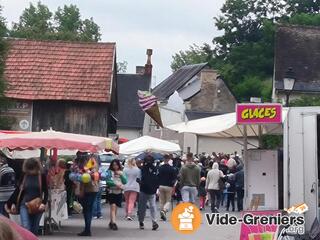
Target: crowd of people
{"x":216,"y":180}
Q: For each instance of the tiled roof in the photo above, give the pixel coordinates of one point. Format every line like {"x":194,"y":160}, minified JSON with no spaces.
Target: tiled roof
{"x":177,"y":80}
{"x":130,"y":114}
{"x":56,"y":70}
{"x":298,"y":47}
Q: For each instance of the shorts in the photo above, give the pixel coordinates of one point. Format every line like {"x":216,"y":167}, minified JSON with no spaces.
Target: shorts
{"x":115,"y":199}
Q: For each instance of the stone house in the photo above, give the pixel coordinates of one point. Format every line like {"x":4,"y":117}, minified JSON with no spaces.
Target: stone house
{"x":193,"y":92}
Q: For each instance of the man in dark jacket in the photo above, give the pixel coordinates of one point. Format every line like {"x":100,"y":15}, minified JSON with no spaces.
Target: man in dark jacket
{"x":167,"y":179}
{"x":239,"y":182}
{"x":149,"y":184}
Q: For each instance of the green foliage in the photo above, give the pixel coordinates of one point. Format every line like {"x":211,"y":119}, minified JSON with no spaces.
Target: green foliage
{"x":195,"y":54}
{"x":5,"y":123}
{"x":305,"y":19}
{"x":306,"y":101}
{"x":38,"y":22}
{"x":244,"y":53}
{"x":303,"y":6}
{"x":34,"y":21}
{"x":272,"y":141}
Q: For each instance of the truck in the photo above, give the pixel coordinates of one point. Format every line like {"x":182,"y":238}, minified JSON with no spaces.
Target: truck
{"x":301,"y":131}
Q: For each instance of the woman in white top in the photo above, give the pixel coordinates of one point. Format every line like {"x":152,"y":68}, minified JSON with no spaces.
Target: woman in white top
{"x":212,"y":186}
{"x":131,"y":188}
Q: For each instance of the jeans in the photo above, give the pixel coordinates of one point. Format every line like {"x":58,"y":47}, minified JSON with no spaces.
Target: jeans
{"x":142,"y":206}
{"x":2,"y":211}
{"x":131,"y":198}
{"x":215,"y":199}
{"x":230,"y":200}
{"x":28,"y":221}
{"x":97,"y":205}
{"x":165,"y":198}
{"x":87,"y":202}
{"x":189,"y":194}
{"x":240,"y":196}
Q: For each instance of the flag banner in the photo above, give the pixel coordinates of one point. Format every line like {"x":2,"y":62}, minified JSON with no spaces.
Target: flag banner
{"x":148,"y":103}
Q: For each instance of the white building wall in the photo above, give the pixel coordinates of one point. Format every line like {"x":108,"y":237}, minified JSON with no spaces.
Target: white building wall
{"x":129,"y":133}
{"x":225,"y":145}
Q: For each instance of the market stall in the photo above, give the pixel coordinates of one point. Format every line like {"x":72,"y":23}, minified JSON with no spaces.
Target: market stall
{"x":250,"y":120}
{"x":57,"y":207}
{"x":150,"y":144}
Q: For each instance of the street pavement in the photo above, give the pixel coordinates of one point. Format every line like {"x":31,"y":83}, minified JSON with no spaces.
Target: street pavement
{"x":130,"y":230}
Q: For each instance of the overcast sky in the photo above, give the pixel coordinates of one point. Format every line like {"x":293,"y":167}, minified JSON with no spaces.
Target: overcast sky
{"x":166,"y":26}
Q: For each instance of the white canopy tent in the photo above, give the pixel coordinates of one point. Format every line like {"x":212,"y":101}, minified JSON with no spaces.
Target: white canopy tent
{"x":225,"y":125}
{"x":147,"y":143}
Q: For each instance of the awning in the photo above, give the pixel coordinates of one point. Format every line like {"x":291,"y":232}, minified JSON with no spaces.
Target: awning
{"x":225,"y":125}
{"x":59,"y":140}
{"x":147,"y":143}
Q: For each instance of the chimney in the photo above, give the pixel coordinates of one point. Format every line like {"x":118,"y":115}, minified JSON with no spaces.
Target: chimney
{"x":140,"y":70}
{"x":148,"y":66}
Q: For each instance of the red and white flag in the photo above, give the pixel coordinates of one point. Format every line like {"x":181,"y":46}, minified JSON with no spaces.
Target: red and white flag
{"x":149,"y":104}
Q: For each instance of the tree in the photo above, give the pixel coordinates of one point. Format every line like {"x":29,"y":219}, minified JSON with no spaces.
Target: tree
{"x":244,"y":53}
{"x":195,"y":54}
{"x":5,"y":122}
{"x":38,"y":22}
{"x":35,"y":22}
{"x":242,"y":21}
{"x":303,"y":6}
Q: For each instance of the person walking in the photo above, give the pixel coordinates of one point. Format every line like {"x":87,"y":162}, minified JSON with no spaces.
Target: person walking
{"x":239,"y":184}
{"x":167,"y":180}
{"x":69,"y":188}
{"x":131,"y":188}
{"x":189,"y":179}
{"x":149,"y":184}
{"x":97,"y":214}
{"x":31,"y":195}
{"x":202,"y":189}
{"x":212,"y":186}
{"x":116,"y":185}
{"x":231,"y":191}
{"x":7,"y":183}
{"x":86,"y":190}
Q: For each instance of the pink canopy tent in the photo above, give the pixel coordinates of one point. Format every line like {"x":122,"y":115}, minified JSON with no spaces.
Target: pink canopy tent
{"x":58,"y":140}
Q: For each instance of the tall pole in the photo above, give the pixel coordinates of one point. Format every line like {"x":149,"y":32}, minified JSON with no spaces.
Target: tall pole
{"x":260,"y":135}
{"x":245,"y":159}
{"x":287,"y":99}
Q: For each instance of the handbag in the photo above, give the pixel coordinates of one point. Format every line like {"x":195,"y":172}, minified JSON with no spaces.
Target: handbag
{"x":34,"y":205}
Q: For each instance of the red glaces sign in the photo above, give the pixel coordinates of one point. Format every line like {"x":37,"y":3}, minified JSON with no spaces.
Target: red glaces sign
{"x":266,"y":113}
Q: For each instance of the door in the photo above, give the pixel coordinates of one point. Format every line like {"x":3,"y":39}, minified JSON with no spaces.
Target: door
{"x":310,"y":159}
{"x":262,"y":178}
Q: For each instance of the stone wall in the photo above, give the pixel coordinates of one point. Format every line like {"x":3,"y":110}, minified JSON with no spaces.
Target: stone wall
{"x":214,"y":95}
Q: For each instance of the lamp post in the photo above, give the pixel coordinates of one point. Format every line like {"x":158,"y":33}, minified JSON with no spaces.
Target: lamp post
{"x":288,"y":84}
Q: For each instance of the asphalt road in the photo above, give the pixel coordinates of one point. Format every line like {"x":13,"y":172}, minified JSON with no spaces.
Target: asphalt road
{"x":130,"y":230}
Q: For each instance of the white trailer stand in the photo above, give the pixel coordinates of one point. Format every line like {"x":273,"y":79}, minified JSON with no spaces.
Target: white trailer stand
{"x":301,"y":160}
{"x":262,"y":178}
